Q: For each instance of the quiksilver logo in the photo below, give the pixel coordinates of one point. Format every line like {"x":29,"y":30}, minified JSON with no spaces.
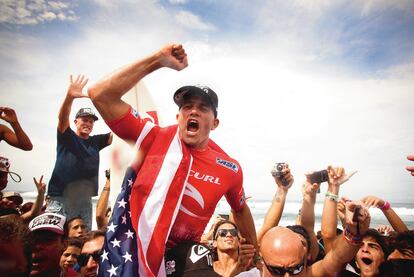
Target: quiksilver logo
{"x":198,"y":252}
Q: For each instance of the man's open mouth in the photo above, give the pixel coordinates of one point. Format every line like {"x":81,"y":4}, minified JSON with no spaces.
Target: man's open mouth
{"x":192,"y":125}
{"x":366,"y":261}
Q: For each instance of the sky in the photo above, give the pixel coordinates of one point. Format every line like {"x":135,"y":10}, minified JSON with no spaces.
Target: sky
{"x":310,"y":83}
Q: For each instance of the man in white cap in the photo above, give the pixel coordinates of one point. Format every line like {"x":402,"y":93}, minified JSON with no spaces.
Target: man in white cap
{"x":75,"y":175}
{"x":49,"y":243}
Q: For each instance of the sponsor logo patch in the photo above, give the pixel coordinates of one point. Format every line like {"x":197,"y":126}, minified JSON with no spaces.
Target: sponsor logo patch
{"x":134,"y":113}
{"x":198,"y":252}
{"x":229,"y":165}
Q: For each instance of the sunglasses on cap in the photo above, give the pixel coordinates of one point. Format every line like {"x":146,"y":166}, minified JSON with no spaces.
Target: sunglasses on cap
{"x":84,"y":258}
{"x":280,"y":270}
{"x":223,"y":232}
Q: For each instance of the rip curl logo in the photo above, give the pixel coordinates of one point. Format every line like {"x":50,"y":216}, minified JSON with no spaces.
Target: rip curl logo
{"x":227,"y":164}
{"x":46,"y":220}
{"x":198,"y":252}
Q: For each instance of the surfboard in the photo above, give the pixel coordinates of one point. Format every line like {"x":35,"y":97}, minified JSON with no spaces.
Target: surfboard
{"x":122,"y":152}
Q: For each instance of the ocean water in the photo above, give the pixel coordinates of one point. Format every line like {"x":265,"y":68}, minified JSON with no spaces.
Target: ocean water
{"x":259,"y":208}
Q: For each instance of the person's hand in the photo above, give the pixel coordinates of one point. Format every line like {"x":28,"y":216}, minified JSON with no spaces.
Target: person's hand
{"x":372,"y":201}
{"x":41,"y":187}
{"x":410,"y":168}
{"x":385,"y":229}
{"x":363,"y":219}
{"x":246,"y":254}
{"x":337,"y":176}
{"x":285,"y":181}
{"x":75,"y":89}
{"x":174,"y":57}
{"x":8,"y":114}
{"x":308,"y":188}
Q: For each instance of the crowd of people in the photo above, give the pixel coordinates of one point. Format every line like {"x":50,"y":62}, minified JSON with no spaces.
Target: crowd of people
{"x":169,"y":194}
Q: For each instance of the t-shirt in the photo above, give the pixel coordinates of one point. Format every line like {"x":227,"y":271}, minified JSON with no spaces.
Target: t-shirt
{"x":212,"y":175}
{"x":254,"y":272}
{"x":77,"y":161}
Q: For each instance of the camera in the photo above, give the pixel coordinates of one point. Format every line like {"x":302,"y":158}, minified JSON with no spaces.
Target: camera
{"x":319,"y":176}
{"x":108,"y":173}
{"x":277,"y":169}
{"x":277,"y":172}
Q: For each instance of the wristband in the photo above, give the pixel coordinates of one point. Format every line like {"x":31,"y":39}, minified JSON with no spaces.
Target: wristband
{"x":107,"y":189}
{"x":386,"y":206}
{"x":352,"y":239}
{"x":331,"y":196}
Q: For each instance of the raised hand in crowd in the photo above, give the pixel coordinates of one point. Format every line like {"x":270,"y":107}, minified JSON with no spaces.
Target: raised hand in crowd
{"x":410,"y":168}
{"x":16,"y":137}
{"x":102,"y":204}
{"x":284,"y":181}
{"x":336,"y":177}
{"x":307,"y":215}
{"x":75,"y":90}
{"x":37,"y":205}
{"x":397,"y":224}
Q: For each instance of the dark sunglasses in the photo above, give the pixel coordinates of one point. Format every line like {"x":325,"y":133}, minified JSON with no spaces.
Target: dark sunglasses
{"x":223,"y":232}
{"x":280,"y":270}
{"x":84,"y":258}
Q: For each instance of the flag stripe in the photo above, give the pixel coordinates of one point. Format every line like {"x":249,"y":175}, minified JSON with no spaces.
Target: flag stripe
{"x":150,"y":215}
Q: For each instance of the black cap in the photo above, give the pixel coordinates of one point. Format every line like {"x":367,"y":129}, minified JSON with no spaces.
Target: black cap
{"x":207,"y":93}
{"x":86,"y":112}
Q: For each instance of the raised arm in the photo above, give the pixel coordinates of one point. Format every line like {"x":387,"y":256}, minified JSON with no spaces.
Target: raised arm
{"x":307,"y":215}
{"x":106,"y":94}
{"x":37,"y":205}
{"x":244,"y":221}
{"x":346,"y":246}
{"x":329,"y":223}
{"x":397,"y":224}
{"x":102,"y":205}
{"x":74,"y":91}
{"x":18,"y":138}
{"x":274,"y":213}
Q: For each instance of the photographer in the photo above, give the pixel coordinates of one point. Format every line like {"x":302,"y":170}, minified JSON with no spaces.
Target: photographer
{"x":102,"y":213}
{"x":284,"y":180}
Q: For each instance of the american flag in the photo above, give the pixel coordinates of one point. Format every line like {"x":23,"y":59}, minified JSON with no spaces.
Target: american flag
{"x":119,"y":255}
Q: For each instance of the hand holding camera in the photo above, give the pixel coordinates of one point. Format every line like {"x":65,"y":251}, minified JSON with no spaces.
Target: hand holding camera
{"x":282,"y":175}
{"x":357,"y":218}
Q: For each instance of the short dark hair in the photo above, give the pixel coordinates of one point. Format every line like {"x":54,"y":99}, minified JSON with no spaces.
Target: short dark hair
{"x":299,"y":229}
{"x":380,"y":239}
{"x":73,"y":219}
{"x":76,"y":242}
{"x":15,"y":230}
{"x":221,"y":223}
{"x":404,"y":242}
{"x":91,"y":235}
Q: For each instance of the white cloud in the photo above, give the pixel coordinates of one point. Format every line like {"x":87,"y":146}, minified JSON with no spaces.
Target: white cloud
{"x":189,"y":20}
{"x":178,"y":2}
{"x":23,"y":12}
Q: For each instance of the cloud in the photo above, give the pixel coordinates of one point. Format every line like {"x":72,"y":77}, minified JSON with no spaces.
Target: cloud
{"x":178,"y":2}
{"x":34,"y":12}
{"x":189,"y":20}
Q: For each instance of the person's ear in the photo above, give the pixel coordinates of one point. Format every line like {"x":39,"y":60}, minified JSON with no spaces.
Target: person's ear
{"x":215,"y":123}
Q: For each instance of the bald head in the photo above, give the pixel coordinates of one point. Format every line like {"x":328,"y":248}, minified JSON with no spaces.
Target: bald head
{"x":282,"y":247}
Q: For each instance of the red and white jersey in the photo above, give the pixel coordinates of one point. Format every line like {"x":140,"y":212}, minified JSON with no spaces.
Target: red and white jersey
{"x":212,"y":175}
